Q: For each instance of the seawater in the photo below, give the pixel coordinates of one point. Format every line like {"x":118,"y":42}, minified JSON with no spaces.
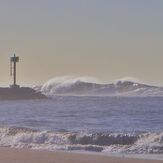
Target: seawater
{"x":84,"y":123}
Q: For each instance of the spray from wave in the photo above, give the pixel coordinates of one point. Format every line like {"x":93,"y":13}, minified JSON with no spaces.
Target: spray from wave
{"x":71,"y":85}
{"x":88,"y":86}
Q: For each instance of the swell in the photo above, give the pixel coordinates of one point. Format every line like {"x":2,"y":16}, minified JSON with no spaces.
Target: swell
{"x":99,"y":142}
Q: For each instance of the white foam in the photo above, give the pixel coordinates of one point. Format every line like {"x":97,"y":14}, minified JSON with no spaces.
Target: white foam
{"x":149,"y":143}
{"x":100,"y":142}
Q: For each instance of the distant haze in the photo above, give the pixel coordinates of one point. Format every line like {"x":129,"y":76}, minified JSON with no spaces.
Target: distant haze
{"x":106,"y":39}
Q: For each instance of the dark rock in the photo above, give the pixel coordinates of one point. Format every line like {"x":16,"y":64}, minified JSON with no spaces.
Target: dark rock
{"x":20,"y":94}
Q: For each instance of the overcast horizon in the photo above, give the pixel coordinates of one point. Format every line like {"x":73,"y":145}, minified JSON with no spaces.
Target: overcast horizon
{"x":105,"y":39}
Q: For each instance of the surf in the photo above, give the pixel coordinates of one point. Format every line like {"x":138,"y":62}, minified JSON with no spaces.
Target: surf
{"x":147,"y":143}
{"x":89,"y":86}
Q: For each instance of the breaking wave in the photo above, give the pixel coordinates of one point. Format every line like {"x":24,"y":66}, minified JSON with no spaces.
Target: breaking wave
{"x":97,"y":142}
{"x":86,"y":86}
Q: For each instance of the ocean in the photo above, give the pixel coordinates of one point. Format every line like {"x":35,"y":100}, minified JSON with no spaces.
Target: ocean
{"x":100,"y":123}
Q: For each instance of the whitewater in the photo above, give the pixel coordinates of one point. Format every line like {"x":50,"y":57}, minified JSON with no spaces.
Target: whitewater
{"x":88,"y":86}
{"x":83,"y":114}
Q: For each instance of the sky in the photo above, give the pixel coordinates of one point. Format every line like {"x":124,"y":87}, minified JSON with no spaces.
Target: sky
{"x":106,"y":39}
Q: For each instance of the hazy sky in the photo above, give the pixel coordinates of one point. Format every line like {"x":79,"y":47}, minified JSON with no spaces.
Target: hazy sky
{"x":107,"y":39}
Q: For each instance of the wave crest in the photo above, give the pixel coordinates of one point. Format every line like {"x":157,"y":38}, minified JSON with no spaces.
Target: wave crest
{"x":103,"y":139}
{"x":67,"y":85}
{"x":99,"y":142}
{"x":87,"y":86}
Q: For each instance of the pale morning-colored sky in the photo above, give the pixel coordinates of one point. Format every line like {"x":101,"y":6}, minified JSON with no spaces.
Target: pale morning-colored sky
{"x":107,"y":39}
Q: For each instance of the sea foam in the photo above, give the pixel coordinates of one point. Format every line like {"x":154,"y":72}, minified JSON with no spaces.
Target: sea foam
{"x":97,"y":142}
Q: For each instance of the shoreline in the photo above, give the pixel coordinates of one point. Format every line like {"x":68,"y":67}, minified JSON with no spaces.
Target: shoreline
{"x":8,"y":155}
{"x":122,"y":155}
